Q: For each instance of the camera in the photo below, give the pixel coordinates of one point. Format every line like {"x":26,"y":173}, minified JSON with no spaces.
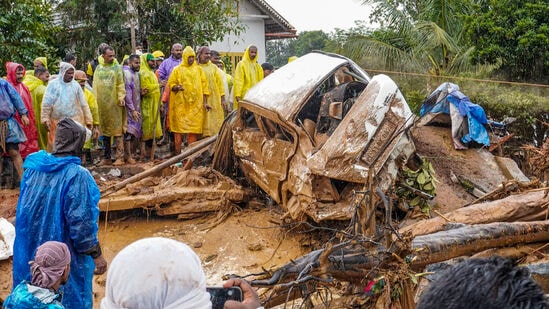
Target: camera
{"x":218,"y":296}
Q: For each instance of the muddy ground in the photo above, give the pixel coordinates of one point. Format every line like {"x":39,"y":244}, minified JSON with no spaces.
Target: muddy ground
{"x":251,"y":240}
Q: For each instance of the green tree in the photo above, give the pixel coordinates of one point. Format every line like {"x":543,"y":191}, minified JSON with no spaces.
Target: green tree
{"x":423,"y":35}
{"x":26,"y":32}
{"x":514,"y":34}
{"x":90,"y":23}
{"x":158,"y":23}
{"x":278,"y":51}
{"x":191,"y":22}
{"x":309,"y":41}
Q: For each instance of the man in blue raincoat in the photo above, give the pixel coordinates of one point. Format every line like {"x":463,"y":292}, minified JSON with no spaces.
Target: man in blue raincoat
{"x":58,"y":201}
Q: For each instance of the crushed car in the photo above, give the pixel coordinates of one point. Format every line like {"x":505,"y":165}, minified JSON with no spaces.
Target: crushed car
{"x":312,"y":133}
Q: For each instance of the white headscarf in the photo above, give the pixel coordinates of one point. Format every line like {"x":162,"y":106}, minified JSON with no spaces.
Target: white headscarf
{"x":156,"y":273}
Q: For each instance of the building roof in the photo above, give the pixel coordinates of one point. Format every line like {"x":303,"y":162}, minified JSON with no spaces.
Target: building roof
{"x":276,"y":26}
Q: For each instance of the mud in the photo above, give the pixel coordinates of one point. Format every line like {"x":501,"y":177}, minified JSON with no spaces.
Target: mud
{"x":244,"y":243}
{"x":252,"y":239}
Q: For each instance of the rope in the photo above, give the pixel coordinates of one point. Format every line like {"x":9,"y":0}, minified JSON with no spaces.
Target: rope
{"x":460,"y":78}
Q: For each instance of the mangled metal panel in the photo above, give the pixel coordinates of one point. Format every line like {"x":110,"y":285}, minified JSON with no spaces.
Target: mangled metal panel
{"x":265,"y":145}
{"x":288,"y":88}
{"x":372,"y":132}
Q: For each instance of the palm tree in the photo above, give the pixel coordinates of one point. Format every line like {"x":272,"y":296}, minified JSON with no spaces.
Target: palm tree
{"x":421,"y":35}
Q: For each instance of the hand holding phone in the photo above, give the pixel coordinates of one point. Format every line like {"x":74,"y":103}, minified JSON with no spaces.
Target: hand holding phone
{"x":219,"y":295}
{"x":250,"y":298}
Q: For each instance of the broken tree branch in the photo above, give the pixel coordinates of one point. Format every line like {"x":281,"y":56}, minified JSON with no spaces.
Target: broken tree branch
{"x":188,"y":151}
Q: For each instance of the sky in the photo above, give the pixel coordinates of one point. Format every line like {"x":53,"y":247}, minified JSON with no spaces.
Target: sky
{"x":326,"y":15}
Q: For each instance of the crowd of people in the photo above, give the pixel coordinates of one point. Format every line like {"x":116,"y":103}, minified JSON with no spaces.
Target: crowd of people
{"x":127,"y":106}
{"x":47,"y":124}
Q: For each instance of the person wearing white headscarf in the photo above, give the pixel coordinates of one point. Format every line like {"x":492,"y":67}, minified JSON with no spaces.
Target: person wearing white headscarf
{"x":156,"y":273}
{"x":64,"y":98}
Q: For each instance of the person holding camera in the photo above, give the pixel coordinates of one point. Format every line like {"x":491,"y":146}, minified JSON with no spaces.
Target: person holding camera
{"x":159,"y":272}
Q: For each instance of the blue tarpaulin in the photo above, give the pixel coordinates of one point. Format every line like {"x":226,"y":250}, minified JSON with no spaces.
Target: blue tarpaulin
{"x":472,"y":130}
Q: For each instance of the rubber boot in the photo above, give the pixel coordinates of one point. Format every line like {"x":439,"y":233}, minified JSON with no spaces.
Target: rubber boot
{"x":128,"y":152}
{"x":119,"y":140}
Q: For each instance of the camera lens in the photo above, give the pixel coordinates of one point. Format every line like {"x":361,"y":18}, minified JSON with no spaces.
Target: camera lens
{"x":230,"y":292}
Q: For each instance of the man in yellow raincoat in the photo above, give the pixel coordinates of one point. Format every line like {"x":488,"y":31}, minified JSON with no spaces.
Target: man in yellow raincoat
{"x":188,"y":99}
{"x":109,"y":90}
{"x":214,"y":118}
{"x":150,"y":101}
{"x":248,"y":73}
{"x":37,"y":87}
{"x":39,"y":62}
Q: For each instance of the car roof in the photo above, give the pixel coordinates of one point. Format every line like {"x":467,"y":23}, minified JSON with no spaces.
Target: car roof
{"x":287,"y":89}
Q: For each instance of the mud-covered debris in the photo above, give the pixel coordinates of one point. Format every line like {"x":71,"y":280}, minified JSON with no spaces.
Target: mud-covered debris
{"x":310,"y":137}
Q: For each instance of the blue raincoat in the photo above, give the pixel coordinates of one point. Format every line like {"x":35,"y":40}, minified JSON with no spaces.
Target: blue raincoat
{"x":58,"y":201}
{"x":26,"y":296}
{"x":11,"y":102}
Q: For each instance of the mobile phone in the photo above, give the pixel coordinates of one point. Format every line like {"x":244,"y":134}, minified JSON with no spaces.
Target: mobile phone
{"x":218,"y":295}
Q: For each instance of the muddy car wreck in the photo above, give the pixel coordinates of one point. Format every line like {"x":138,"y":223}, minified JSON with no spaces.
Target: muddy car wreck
{"x":314,"y":132}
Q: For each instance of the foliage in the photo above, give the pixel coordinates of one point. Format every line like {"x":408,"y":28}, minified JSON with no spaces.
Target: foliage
{"x":191,"y":22}
{"x":91,"y":23}
{"x":423,"y":35}
{"x":26,"y":32}
{"x":278,"y":51}
{"x":413,"y":181}
{"x":515,"y":33}
{"x":158,"y":24}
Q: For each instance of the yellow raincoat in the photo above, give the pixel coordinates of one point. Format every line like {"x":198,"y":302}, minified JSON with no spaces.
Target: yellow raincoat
{"x":108,"y":87}
{"x":214,"y":118}
{"x":92,"y":103}
{"x":30,"y":73}
{"x":186,"y":107}
{"x":37,"y":89}
{"x":248,"y":73}
{"x":149,"y":101}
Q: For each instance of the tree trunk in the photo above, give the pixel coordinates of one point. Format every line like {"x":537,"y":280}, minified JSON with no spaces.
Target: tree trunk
{"x":529,"y":206}
{"x":468,"y":240}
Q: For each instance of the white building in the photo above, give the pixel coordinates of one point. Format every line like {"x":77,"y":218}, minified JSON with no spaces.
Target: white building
{"x":262,"y":23}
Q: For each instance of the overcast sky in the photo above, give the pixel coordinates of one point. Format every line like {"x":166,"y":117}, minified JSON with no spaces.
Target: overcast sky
{"x":307,"y":15}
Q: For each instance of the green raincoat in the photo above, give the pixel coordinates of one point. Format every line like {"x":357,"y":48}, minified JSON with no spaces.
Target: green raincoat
{"x":108,"y":87}
{"x":149,"y":101}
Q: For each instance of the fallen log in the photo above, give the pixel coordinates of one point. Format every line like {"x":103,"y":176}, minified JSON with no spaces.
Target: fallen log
{"x":181,"y":195}
{"x":187,"y":152}
{"x":528,"y":206}
{"x":513,"y":252}
{"x":349,"y":262}
{"x":539,"y":271}
{"x":468,"y":240}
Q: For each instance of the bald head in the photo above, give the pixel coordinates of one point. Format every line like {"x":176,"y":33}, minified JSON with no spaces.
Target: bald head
{"x":177,"y":50}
